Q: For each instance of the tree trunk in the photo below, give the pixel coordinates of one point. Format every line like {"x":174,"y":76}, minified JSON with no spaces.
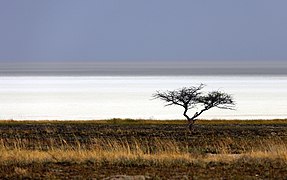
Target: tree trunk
{"x":190,"y":120}
{"x":190,"y":124}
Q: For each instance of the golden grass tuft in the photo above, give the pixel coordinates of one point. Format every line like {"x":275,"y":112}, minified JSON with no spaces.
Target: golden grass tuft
{"x":159,"y":152}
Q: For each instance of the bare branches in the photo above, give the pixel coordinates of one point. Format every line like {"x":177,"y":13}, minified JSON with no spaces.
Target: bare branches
{"x":185,"y":97}
{"x":193,"y":97}
{"x":217,"y":99}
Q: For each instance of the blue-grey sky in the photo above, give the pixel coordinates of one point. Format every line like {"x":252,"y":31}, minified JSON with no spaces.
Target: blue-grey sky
{"x":143,"y":30}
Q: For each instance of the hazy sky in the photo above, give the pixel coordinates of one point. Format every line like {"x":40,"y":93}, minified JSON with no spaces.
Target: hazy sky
{"x":143,"y":30}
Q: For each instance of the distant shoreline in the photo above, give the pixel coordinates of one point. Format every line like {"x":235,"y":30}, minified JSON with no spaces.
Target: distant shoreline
{"x":140,"y":75}
{"x":142,"y":69}
{"x":151,"y":72}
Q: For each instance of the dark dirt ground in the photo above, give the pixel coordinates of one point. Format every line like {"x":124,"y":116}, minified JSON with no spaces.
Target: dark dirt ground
{"x":67,"y":170}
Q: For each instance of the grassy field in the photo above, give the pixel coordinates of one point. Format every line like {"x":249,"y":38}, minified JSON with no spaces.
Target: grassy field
{"x":144,"y":149}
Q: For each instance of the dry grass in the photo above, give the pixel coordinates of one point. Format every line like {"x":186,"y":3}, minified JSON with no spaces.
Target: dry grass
{"x":101,"y":151}
{"x":156,"y":152}
{"x":162,"y":150}
{"x":276,"y":149}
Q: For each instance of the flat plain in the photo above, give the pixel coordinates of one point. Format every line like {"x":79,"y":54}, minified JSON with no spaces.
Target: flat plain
{"x":143,"y":149}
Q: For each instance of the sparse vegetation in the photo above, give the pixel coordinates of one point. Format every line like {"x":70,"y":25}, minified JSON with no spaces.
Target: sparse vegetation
{"x":157,"y":149}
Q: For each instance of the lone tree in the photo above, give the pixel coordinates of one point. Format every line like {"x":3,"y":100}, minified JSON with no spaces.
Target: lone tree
{"x":193,"y":98}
